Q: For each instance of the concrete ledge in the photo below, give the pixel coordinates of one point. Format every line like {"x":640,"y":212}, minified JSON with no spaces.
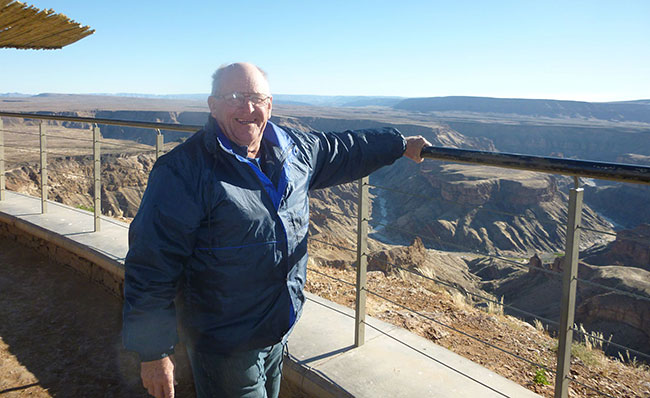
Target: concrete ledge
{"x":321,"y":361}
{"x":393,"y":362}
{"x":97,"y":266}
{"x":311,"y":382}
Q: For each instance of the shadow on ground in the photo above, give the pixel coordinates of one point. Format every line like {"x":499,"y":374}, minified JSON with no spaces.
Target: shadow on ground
{"x":60,"y":333}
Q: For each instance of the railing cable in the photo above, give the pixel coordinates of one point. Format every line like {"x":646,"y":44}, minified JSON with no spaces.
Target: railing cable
{"x":131,"y":146}
{"x":461,"y":332}
{"x":332,"y":244}
{"x":331,"y":277}
{"x":27,"y":147}
{"x":430,"y":237}
{"x":478,"y":207}
{"x":68,"y":138}
{"x":634,"y":238}
{"x":589,"y":336}
{"x":134,"y":186}
{"x":329,"y":212}
{"x":20,"y":132}
{"x":589,"y":387}
{"x":597,"y":231}
{"x":54,"y":171}
{"x":413,"y":195}
{"x":613,"y":289}
{"x":66,"y":155}
{"x":462,"y":290}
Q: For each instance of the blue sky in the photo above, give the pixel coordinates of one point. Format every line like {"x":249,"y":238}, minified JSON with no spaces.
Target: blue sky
{"x":581,"y":50}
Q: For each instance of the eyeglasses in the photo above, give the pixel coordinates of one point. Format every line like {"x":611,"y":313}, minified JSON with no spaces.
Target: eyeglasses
{"x":237,"y":99}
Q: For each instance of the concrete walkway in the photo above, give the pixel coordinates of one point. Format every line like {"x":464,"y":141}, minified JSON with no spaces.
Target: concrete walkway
{"x":322,"y":359}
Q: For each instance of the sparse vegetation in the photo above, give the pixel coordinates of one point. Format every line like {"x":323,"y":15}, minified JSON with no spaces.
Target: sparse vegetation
{"x":494,"y":308}
{"x":86,"y":208}
{"x":632,"y":361}
{"x":593,"y":340}
{"x":590,"y":366}
{"x":540,"y":377}
{"x":587,"y":355}
{"x":459,"y":299}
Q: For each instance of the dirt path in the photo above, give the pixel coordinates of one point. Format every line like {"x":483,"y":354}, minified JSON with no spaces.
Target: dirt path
{"x":60,"y":333}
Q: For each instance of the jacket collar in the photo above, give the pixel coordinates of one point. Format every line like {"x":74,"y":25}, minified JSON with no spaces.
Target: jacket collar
{"x":214,"y":139}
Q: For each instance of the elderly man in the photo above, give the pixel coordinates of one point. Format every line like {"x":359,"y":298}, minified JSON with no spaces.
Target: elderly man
{"x":224,"y":220}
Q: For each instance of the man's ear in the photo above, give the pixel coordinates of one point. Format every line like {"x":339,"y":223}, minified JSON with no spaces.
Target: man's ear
{"x":212,"y":103}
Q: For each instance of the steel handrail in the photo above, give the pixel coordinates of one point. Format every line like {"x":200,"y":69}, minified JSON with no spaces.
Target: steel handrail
{"x":114,"y":122}
{"x":577,"y":168}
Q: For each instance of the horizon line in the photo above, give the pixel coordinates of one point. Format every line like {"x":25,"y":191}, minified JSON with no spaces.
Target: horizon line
{"x":171,"y":96}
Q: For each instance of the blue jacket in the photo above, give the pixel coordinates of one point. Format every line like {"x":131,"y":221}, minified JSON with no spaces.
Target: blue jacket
{"x":231,"y":236}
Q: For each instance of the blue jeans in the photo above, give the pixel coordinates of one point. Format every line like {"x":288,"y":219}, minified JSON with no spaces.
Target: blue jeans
{"x":247,"y":374}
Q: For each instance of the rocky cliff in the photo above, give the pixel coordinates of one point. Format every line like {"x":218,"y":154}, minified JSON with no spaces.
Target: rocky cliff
{"x":612,"y":313}
{"x":631,"y":248}
{"x":625,"y":204}
{"x":599,"y":143}
{"x":539,"y":108}
{"x":124,"y":179}
{"x":473,"y":208}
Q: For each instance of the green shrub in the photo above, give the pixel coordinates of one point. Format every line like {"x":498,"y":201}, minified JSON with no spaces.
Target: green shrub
{"x":540,"y":377}
{"x":86,"y":208}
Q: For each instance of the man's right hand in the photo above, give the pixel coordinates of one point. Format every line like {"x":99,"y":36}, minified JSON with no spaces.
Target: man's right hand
{"x":158,"y":377}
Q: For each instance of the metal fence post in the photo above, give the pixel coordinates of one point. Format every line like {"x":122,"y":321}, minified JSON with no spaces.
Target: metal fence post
{"x":97,"y":167}
{"x":159,"y":144}
{"x":362,"y":263}
{"x":43,"y":152}
{"x":2,"y":161}
{"x":569,"y":286}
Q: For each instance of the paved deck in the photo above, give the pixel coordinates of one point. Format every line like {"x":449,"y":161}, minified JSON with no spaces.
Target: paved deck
{"x":322,"y":359}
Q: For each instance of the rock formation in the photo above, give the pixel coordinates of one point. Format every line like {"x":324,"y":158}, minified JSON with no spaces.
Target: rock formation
{"x":623,"y":316}
{"x":472,"y":208}
{"x":615,"y":313}
{"x":631,"y":248}
{"x":625,"y":204}
{"x":124,"y":179}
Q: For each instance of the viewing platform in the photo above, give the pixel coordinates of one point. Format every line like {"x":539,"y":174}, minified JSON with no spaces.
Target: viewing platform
{"x":322,"y":359}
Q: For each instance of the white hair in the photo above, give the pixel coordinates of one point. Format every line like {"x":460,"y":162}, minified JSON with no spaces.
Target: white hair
{"x":217,"y":76}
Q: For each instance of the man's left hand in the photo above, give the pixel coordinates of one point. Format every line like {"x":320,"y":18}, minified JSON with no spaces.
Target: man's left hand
{"x":414,"y":147}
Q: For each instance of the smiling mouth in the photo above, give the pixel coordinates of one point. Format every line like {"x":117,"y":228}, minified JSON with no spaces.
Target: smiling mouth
{"x":244,"y":121}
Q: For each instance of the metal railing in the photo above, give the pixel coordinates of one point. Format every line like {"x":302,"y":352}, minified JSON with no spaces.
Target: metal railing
{"x":575,"y":168}
{"x":96,"y":150}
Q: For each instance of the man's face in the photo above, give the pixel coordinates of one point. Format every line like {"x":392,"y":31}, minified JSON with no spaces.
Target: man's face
{"x":243,"y":122}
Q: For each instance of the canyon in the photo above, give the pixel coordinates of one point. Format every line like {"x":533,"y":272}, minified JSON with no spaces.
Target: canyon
{"x":436,"y":218}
